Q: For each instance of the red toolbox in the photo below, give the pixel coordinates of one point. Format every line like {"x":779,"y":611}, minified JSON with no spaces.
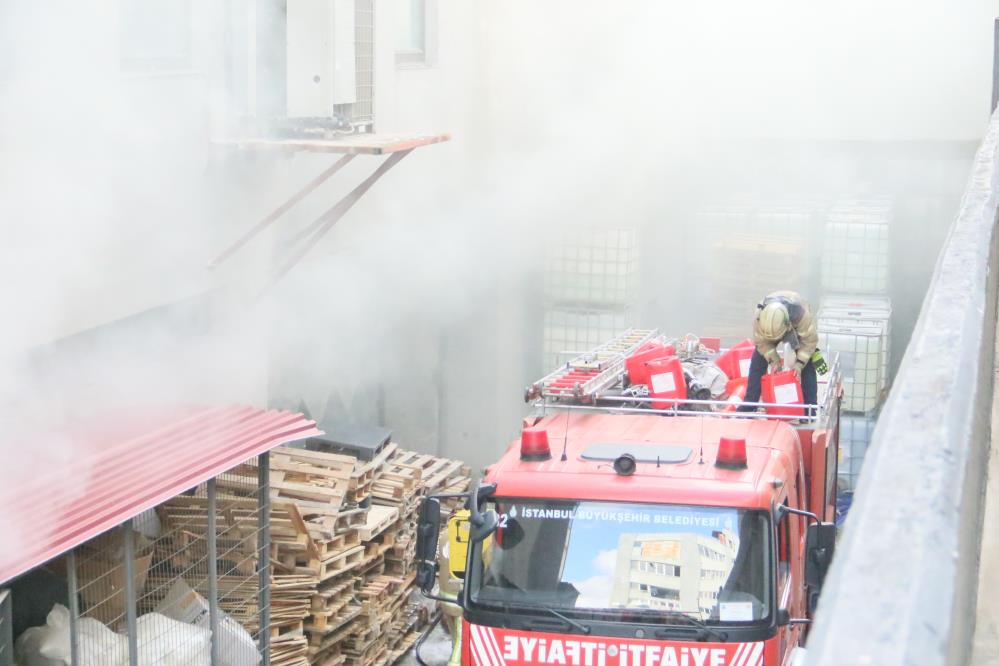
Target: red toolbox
{"x":734,"y":361}
{"x":782,"y":388}
{"x":635,"y":364}
{"x":666,"y":381}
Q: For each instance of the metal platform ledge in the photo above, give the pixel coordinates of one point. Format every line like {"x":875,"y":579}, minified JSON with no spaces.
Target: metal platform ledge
{"x":351,"y":144}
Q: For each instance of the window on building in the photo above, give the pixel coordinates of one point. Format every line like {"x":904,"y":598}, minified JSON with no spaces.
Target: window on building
{"x":664,"y":592}
{"x":154,"y":34}
{"x":415,"y":32}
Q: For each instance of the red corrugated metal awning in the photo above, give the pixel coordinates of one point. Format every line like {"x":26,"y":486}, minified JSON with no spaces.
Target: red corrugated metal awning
{"x":117,"y":470}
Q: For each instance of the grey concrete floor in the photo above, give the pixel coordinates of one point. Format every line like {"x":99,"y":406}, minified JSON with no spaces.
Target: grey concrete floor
{"x":985,"y":651}
{"x":436,"y":650}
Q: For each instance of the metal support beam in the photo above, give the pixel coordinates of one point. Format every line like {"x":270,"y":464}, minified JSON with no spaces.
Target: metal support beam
{"x":74,"y":607}
{"x":308,"y":238}
{"x":128,"y":536}
{"x":282,"y":209}
{"x":264,"y":555}
{"x":213,"y":572}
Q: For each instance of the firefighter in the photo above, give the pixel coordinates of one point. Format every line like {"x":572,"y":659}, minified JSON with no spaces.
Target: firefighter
{"x":783,"y":316}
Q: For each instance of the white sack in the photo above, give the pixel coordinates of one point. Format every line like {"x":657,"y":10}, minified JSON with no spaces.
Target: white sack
{"x":236,"y":646}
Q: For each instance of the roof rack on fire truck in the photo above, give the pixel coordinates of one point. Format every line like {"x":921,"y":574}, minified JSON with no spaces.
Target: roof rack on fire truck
{"x":589,"y":373}
{"x":595,"y":381}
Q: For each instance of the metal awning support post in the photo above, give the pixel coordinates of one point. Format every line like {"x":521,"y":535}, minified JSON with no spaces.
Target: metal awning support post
{"x":6,"y":630}
{"x":264,"y":556}
{"x":74,"y":607}
{"x":213,"y":572}
{"x":128,"y":536}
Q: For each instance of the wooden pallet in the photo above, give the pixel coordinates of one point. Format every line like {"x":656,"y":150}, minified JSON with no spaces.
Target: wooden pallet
{"x":335,"y":565}
{"x":339,"y":543}
{"x":285,"y":610}
{"x":319,"y":643}
{"x":324,"y":623}
{"x":332,"y":656}
{"x":379,"y":519}
{"x":318,"y":482}
{"x":336,"y":522}
{"x":345,"y":572}
{"x":402,"y":647}
{"x":333,"y":592}
{"x":366,"y":648}
{"x":435,"y":472}
{"x":289,"y":652}
{"x":287,"y":488}
{"x":288,"y":630}
{"x":336,"y":465}
{"x":302,"y":463}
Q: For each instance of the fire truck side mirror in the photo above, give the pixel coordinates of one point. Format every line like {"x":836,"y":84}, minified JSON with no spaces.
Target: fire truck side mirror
{"x":820,"y":542}
{"x":482,"y":523}
{"x":428,"y":531}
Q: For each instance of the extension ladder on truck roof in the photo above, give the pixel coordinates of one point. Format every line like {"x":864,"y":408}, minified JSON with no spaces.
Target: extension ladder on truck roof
{"x":594,"y":381}
{"x":590,"y":372}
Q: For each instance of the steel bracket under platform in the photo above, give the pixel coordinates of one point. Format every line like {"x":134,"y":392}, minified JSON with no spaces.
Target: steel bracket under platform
{"x":395,"y":146}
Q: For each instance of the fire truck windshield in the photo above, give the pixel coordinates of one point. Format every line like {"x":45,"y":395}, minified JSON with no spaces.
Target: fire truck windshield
{"x":625,"y":562}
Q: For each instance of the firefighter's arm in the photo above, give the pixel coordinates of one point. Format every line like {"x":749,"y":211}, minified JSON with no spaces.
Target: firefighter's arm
{"x":808,"y":338}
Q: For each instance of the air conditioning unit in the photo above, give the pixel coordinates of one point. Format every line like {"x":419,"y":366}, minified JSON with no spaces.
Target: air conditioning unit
{"x":325,"y":61}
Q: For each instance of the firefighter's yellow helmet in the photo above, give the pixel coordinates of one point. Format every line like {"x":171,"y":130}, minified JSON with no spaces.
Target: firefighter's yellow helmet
{"x":774,"y":320}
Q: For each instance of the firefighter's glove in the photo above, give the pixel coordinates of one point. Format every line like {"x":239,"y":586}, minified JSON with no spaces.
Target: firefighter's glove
{"x":819,"y":363}
{"x":798,"y":367}
{"x":773,"y":358}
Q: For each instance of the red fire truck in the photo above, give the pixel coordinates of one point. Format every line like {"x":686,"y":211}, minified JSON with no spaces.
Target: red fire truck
{"x":624,"y":531}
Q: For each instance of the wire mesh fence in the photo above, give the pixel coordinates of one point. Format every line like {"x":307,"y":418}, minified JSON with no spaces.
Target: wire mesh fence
{"x":856,"y":247}
{"x":855,"y":432}
{"x":184,"y":583}
{"x":593,"y":268}
{"x":576,"y":330}
{"x":862,"y":350}
{"x":591,"y":283}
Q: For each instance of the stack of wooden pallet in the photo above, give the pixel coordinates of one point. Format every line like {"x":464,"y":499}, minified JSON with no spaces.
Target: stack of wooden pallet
{"x":360,"y":517}
{"x":408,"y":477}
{"x":342,"y":547}
{"x":289,"y":595}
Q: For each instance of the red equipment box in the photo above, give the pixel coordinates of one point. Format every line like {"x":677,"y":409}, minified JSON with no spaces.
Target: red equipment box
{"x":734,"y":362}
{"x":666,"y":381}
{"x":650,"y":351}
{"x":783,"y":388}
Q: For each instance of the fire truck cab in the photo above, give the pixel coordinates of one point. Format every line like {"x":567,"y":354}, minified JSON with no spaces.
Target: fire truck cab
{"x":615,"y":532}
